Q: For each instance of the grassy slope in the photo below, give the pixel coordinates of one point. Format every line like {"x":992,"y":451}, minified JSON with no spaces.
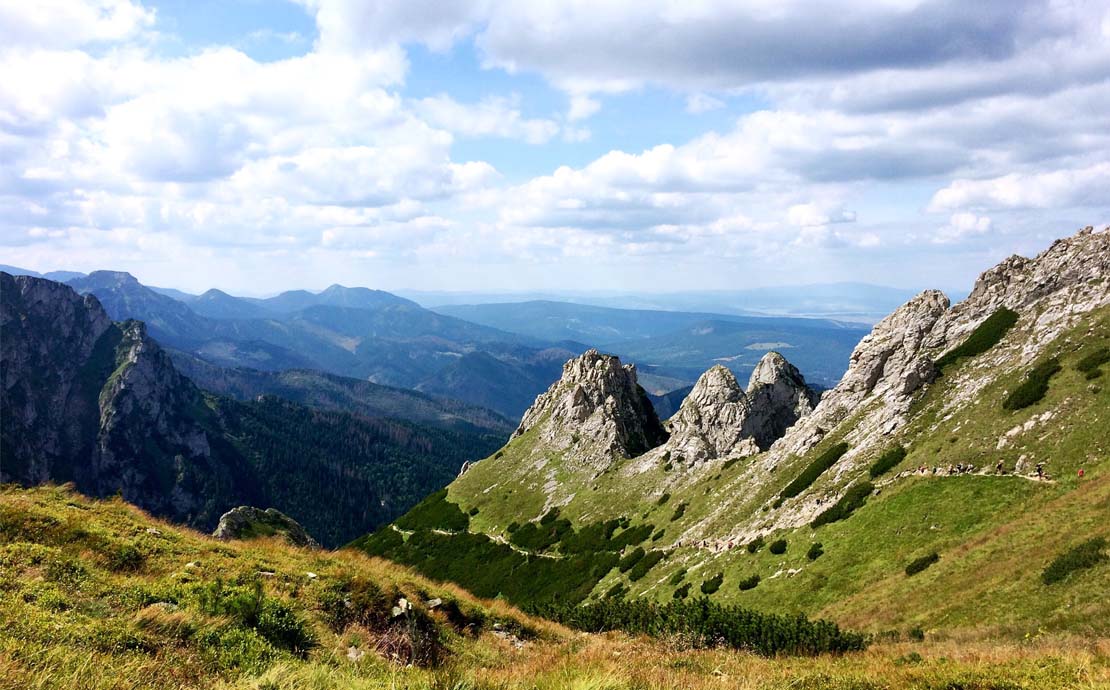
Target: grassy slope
{"x":78,"y":611}
{"x":994,"y":534}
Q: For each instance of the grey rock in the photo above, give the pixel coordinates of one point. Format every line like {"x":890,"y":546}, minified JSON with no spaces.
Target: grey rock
{"x":248,"y":522}
{"x":596,"y":412}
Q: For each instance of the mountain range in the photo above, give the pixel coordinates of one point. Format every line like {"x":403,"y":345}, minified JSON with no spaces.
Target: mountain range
{"x":957,"y":476}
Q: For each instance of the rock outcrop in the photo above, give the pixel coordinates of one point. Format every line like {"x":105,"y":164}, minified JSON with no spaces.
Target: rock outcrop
{"x":718,"y":418}
{"x":248,"y":522}
{"x":595,"y":411}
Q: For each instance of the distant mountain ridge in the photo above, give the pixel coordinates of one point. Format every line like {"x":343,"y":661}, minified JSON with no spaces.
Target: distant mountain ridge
{"x":354,"y":332}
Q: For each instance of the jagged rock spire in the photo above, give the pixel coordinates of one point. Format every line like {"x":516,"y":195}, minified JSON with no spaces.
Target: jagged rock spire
{"x":719,"y":418}
{"x":596,"y":409}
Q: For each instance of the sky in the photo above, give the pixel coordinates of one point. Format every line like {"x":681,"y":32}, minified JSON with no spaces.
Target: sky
{"x":646,"y":145}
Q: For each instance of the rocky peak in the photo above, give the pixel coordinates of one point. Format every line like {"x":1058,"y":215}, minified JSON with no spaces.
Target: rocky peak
{"x":597,"y":408}
{"x":778,"y":397}
{"x":719,"y":418}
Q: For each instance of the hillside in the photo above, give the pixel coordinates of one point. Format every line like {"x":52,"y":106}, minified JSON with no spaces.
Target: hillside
{"x":99,"y":403}
{"x":98,"y":595}
{"x":1011,"y":376}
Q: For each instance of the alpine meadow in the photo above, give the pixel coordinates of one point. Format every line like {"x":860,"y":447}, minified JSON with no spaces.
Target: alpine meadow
{"x":556,"y":345}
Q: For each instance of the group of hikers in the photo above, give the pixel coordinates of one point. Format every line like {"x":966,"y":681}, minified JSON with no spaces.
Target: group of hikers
{"x":968,"y":468}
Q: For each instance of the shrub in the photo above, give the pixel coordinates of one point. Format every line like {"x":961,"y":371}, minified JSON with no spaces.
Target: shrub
{"x":712,"y":584}
{"x":1034,"y":387}
{"x":777,"y":547}
{"x":513,"y":526}
{"x":815,"y":551}
{"x":616,"y":591}
{"x":985,"y":336}
{"x":682,"y":592}
{"x":663,"y":499}
{"x":679,"y":512}
{"x":1085,"y":555}
{"x":677,"y":578}
{"x":755,"y":545}
{"x":125,"y":558}
{"x":658,"y":535}
{"x":1094,"y":360}
{"x":815,"y":469}
{"x":854,"y":498}
{"x":750,"y":582}
{"x":644,"y":565}
{"x":249,"y":607}
{"x":887,"y":461}
{"x":917,"y":634}
{"x":630,"y":559}
{"x":919,"y":564}
{"x":473,"y":511}
{"x":1093,"y":374}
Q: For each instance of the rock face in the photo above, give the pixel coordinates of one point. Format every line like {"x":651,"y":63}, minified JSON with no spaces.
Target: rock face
{"x":248,"y":522}
{"x":596,"y":410}
{"x":99,"y":404}
{"x":718,"y":418}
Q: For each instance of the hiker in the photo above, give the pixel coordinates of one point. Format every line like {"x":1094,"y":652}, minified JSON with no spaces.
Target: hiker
{"x":999,"y":468}
{"x":1040,"y":470}
{"x":1080,"y":472}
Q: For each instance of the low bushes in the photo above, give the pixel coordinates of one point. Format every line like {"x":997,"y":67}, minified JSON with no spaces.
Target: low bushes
{"x":777,"y":547}
{"x":1086,"y":555}
{"x":985,"y":336}
{"x":919,"y":564}
{"x":712,"y":584}
{"x":887,"y":461}
{"x":645,"y":564}
{"x":815,"y":551}
{"x":750,"y":582}
{"x":707,"y":624}
{"x":1034,"y":387}
{"x":1093,"y":361}
{"x":854,"y":498}
{"x":755,"y":545}
{"x":815,"y":469}
{"x":435,"y":512}
{"x":630,"y":559}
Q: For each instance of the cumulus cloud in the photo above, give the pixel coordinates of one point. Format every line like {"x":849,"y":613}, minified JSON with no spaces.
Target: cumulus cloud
{"x":962,"y":225}
{"x":1072,"y":187}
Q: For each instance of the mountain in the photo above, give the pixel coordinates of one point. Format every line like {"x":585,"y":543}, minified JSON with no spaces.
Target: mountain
{"x":352,"y":332}
{"x":955,"y":480}
{"x":61,"y":276}
{"x":217,"y":304}
{"x":99,"y":403}
{"x":678,"y":344}
{"x":329,"y":391}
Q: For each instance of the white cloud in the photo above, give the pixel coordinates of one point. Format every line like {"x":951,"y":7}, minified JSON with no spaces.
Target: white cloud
{"x":699,"y":102}
{"x":68,"y":24}
{"x":963,"y":225}
{"x":582,"y":107}
{"x":493,"y":116}
{"x":1070,"y":187}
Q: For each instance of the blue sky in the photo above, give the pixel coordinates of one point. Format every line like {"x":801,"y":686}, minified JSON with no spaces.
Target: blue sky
{"x":486,"y":145}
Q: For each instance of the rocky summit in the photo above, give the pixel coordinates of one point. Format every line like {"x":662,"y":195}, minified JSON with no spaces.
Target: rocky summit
{"x":718,"y":418}
{"x":596,"y":411}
